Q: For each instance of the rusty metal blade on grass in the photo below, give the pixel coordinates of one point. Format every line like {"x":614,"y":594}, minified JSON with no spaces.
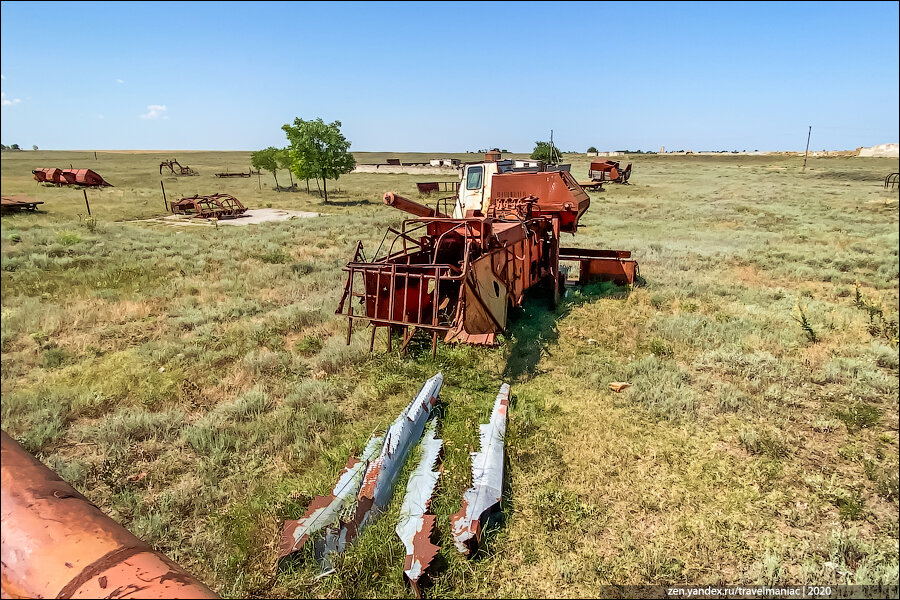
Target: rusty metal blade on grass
{"x":327,"y":510}
{"x":381,"y":473}
{"x":483,"y":499}
{"x":415,"y":526}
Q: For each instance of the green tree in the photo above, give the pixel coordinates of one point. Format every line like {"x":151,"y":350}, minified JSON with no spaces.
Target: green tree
{"x":318,"y":149}
{"x":592,"y":149}
{"x":14,"y":147}
{"x":266,"y":160}
{"x":283,"y":158}
{"x":547,"y":153}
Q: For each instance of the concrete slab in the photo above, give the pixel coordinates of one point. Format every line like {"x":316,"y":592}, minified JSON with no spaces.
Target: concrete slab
{"x":252,"y":216}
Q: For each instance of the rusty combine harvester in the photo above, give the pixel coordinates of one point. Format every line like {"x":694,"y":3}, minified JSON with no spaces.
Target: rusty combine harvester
{"x":79,"y":177}
{"x":171,"y":164}
{"x":214,"y":206}
{"x":456,"y":275}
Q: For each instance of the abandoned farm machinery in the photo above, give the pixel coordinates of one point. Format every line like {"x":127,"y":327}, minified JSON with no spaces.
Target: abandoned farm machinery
{"x":455,"y":274}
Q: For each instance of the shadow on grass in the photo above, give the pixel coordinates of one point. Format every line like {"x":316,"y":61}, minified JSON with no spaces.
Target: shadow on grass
{"x":532,"y":328}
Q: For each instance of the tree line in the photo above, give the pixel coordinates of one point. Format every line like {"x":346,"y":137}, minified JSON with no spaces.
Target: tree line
{"x":316,"y":150}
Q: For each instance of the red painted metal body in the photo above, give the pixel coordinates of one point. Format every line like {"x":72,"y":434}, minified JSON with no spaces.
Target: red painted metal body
{"x":609,"y":170}
{"x":82,"y":177}
{"x":56,"y":544}
{"x":48,"y":175}
{"x":456,"y":278}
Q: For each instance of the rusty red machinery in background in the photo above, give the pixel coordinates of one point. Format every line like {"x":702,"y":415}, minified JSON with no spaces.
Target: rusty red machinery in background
{"x":79,"y":177}
{"x":56,"y":544}
{"x":609,"y":170}
{"x":171,"y":164}
{"x":214,"y":206}
{"x":455,"y":275}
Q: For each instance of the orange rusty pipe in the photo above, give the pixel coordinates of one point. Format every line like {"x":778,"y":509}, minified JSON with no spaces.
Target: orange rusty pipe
{"x":56,"y":544}
{"x":413,"y":208}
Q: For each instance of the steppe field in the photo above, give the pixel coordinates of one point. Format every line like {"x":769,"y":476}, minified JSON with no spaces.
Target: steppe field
{"x":195,"y":384}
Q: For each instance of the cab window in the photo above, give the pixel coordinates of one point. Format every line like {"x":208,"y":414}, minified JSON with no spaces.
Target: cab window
{"x":473,"y":178}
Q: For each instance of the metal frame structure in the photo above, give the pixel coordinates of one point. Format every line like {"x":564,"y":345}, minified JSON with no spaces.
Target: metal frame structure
{"x":214,"y":206}
{"x":181,"y":170}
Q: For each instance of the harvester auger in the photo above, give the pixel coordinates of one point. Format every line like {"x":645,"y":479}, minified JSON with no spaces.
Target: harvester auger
{"x":456,"y":275}
{"x":171,"y":164}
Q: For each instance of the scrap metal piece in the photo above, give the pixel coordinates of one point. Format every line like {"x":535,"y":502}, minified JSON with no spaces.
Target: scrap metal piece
{"x":482,"y":500}
{"x":415,"y":527}
{"x":381,"y":475}
{"x":57,"y":544}
{"x":326,"y":511}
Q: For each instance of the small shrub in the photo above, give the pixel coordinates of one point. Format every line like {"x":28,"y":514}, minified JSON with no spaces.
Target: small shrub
{"x":55,"y":357}
{"x":67,"y":238}
{"x":802,"y":319}
{"x":309,"y":344}
{"x":749,"y":439}
{"x":859,"y":416}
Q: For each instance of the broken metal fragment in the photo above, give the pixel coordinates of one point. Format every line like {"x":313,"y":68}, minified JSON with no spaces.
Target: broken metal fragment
{"x":370,"y":483}
{"x":482,"y":500}
{"x":414,"y":526}
{"x":327,"y":510}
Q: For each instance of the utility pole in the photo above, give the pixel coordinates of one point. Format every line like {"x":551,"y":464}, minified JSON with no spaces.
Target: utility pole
{"x":808,"y":135}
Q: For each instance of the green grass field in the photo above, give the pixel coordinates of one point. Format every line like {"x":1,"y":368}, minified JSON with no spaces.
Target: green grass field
{"x":194,"y":382}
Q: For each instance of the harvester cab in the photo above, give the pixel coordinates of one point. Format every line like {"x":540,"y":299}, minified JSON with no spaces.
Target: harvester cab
{"x":455,"y":275}
{"x":475,"y":186}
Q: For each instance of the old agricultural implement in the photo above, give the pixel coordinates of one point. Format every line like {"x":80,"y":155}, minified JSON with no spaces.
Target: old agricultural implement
{"x":456,"y":274}
{"x":171,"y":164}
{"x":18,"y":203}
{"x":607,"y":171}
{"x":227,"y":175}
{"x":78,"y":177}
{"x":890,"y":181}
{"x":214,"y":206}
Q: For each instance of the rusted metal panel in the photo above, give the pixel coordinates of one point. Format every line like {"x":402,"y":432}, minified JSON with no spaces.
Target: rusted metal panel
{"x":56,"y":544}
{"x":326,"y":511}
{"x":415,"y":526}
{"x":481,"y":501}
{"x":602,"y":265}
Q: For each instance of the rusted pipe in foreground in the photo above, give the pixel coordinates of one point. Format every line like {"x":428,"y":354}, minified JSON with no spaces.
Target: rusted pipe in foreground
{"x":410,"y":206}
{"x":56,"y":544}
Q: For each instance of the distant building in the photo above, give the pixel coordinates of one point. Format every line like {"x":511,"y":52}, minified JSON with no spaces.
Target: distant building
{"x":882,"y":150}
{"x":444,"y":162}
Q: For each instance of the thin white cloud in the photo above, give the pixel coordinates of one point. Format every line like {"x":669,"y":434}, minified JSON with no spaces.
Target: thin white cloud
{"x":8,"y":102}
{"x":2,"y":76}
{"x":120,"y":81}
{"x":155,"y":111}
{"x":99,"y":116}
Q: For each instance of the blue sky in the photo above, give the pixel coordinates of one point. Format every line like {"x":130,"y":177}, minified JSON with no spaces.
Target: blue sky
{"x":451,"y":76}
